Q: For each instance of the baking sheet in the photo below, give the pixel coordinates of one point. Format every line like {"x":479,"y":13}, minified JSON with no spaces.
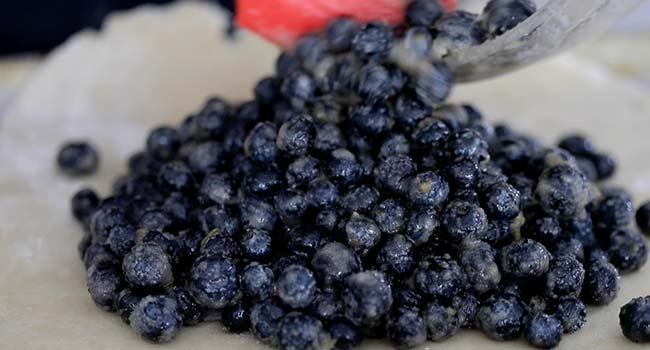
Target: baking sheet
{"x":155,"y":65}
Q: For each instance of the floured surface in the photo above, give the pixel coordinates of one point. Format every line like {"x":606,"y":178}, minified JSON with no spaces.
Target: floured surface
{"x":155,"y":66}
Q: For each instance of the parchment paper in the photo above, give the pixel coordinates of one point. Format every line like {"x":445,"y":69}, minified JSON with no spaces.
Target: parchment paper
{"x":154,"y":66}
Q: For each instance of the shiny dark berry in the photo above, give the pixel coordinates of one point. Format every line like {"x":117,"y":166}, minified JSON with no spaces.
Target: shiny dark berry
{"x":456,"y":30}
{"x":156,"y":318}
{"x":163,"y":143}
{"x":421,"y":224}
{"x":236,"y":318}
{"x":439,"y":277}
{"x":627,"y":250}
{"x":260,"y":145}
{"x":643,"y":218}
{"x":605,"y":165}
{"x":346,"y":335}
{"x":373,"y":41}
{"x":212,"y":119}
{"x":360,"y":199}
{"x":83,"y":204}
{"x":502,"y":317}
{"x":499,"y":16}
{"x":191,"y":312}
{"x":296,"y":286}
{"x":176,"y":176}
{"x":601,"y":283}
{"x":299,"y":87}
{"x":125,"y":303}
{"x":372,"y":118}
{"x":392,"y":172}
{"x":525,"y":258}
{"x":333,"y":262}
{"x":298,"y":331}
{"x":442,"y":321}
{"x":256,"y":245}
{"x":614,"y":210}
{"x":501,"y":201}
{"x":424,"y":12}
{"x":565,"y":277}
{"x":104,"y":281}
{"x":427,"y":189}
{"x":361,"y":234}
{"x":343,"y":168}
{"x":257,"y":281}
{"x":467,"y":305}
{"x":77,"y":158}
{"x":563,"y":191}
{"x":148,"y":268}
{"x":296,"y":136}
{"x":478,"y":260}
{"x":265,"y":320}
{"x":397,"y":255}
{"x":257,"y":214}
{"x":634,"y":318}
{"x":464,"y":220}
{"x":322,"y":194}
{"x":543,"y":331}
{"x":329,"y":137}
{"x":572,"y":313}
{"x":406,"y":328}
{"x":213,"y":281}
{"x":340,"y":32}
{"x":390,"y":216}
{"x":367,"y":297}
{"x":302,"y":171}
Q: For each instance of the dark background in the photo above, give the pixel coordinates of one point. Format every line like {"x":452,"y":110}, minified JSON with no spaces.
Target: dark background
{"x":40,"y":25}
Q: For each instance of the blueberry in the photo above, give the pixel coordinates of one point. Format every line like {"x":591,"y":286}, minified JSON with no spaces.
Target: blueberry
{"x":421,"y":224}
{"x":373,"y":42}
{"x":257,"y":214}
{"x":83,"y":204}
{"x":372,"y":118}
{"x":218,"y":189}
{"x":305,"y":240}
{"x":299,"y":331}
{"x":406,"y":328}
{"x":310,"y":50}
{"x":392,"y":171}
{"x":525,"y":258}
{"x":156,"y":318}
{"x":77,"y":158}
{"x":148,"y":267}
{"x":463,"y":174}
{"x":329,"y":137}
{"x":563,"y":191}
{"x":340,"y":77}
{"x":360,"y":199}
{"x":456,"y":30}
{"x":430,"y":132}
{"x":346,"y":336}
{"x":501,"y":201}
{"x":121,"y":239}
{"x":340,"y":33}
{"x":291,"y":206}
{"x":374,"y":83}
{"x":499,"y":16}
{"x":322,"y":194}
{"x":601,"y":283}
{"x":163,"y":143}
{"x":572,"y":313}
{"x":154,"y":220}
{"x":409,"y":111}
{"x":565,"y":277}
{"x":367,"y":297}
{"x":543,"y":331}
{"x":361,"y":234}
{"x":263,"y":183}
{"x":390,"y":216}
{"x":327,"y":219}
{"x":205,"y":157}
{"x":343,"y":168}
{"x":478,"y":260}
{"x":333,"y":262}
{"x":142,"y":163}
{"x":296,"y":286}
{"x":397,"y":255}
{"x":613,"y":211}
{"x":125,"y":303}
{"x":104,"y":281}
{"x":302,"y":170}
{"x":257,"y":281}
{"x":605,"y":165}
{"x":285,"y":64}
{"x":465,"y":144}
{"x":542,"y":228}
{"x":217,"y":243}
{"x":260,"y":145}
{"x":394,"y":144}
{"x":236,"y":318}
{"x":296,"y":136}
{"x":442,"y":321}
{"x":643,"y":218}
{"x":577,"y":144}
{"x":179,"y":206}
{"x":424,"y":12}
{"x":176,"y":176}
{"x":267,"y":90}
{"x":213,"y":281}
{"x":212,"y":120}
{"x":467,"y":305}
{"x":502,"y":317}
{"x":627,"y":250}
{"x":265,"y":320}
{"x":634,"y":318}
{"x":220,"y":219}
{"x":256,"y":245}
{"x":326,"y":305}
{"x":191,"y":312}
{"x":95,"y":253}
{"x":298,"y":87}
{"x":104,"y":219}
{"x":439,"y":277}
{"x":407,"y":297}
{"x":427,"y":189}
{"x":464,"y":221}
{"x":571,"y":247}
{"x":433,"y":83}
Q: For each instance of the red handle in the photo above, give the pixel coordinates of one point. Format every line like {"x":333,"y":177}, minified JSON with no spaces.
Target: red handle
{"x":284,"y":21}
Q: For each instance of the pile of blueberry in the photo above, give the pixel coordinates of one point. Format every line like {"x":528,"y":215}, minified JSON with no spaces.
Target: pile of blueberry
{"x":348,"y":201}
